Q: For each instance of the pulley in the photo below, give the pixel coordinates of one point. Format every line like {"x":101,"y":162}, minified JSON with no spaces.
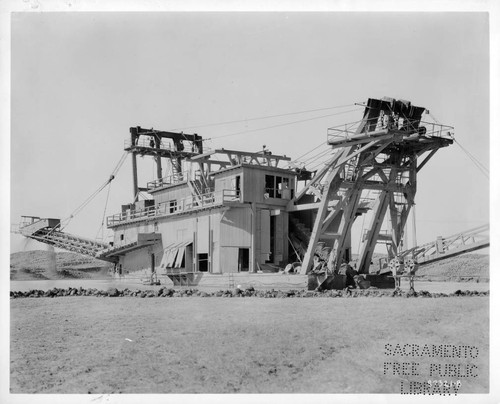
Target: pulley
{"x":410,"y":265}
{"x":396,"y":266}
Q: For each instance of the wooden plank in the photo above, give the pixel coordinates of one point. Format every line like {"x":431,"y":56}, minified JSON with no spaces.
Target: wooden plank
{"x":261,"y":281}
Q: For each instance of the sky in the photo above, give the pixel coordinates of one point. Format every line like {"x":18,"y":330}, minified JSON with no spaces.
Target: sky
{"x":80,"y":80}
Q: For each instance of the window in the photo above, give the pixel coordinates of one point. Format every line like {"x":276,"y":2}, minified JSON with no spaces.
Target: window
{"x":270,"y":185}
{"x":172,"y":206}
{"x":278,"y":187}
{"x":238,"y":185}
{"x":203,"y":262}
{"x":122,"y":237}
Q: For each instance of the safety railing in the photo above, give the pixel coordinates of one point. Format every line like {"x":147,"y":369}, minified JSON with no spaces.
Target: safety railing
{"x":193,"y":202}
{"x":346,"y":132}
{"x":437,"y":130}
{"x":230,"y":195}
{"x":169,"y":180}
{"x":128,"y":215}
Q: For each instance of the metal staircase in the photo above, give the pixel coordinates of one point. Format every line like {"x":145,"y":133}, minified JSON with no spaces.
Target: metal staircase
{"x":195,"y":188}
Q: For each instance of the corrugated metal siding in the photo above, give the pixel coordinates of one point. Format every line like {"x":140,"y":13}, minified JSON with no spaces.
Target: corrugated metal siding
{"x":215,"y":224}
{"x":229,"y":259}
{"x":177,"y":193}
{"x":278,"y":239}
{"x":202,"y":235}
{"x":177,"y":229}
{"x":254,"y":186}
{"x":265,"y":232}
{"x":253,"y":183}
{"x":236,"y":227}
{"x":141,"y":259}
{"x":227,"y":180}
{"x":130,"y":233}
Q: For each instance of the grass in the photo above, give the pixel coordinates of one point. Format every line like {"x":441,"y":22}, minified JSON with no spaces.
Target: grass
{"x":238,"y":345}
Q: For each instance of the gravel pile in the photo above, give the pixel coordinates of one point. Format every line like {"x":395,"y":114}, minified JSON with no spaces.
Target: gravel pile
{"x":249,"y":292}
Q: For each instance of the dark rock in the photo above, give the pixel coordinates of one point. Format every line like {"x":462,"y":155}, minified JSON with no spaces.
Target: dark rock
{"x":113,"y":292}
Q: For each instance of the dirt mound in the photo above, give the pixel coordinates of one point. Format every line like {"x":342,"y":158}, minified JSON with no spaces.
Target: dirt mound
{"x":463,"y":266}
{"x":33,"y":265}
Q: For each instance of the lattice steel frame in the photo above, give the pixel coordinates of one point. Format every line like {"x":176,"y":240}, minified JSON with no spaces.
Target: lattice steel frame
{"x":377,"y":158}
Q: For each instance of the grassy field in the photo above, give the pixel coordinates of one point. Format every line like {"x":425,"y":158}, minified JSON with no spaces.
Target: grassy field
{"x":238,"y":345}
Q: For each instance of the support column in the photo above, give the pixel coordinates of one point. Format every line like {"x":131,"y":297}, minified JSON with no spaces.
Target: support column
{"x":158,"y":158}
{"x":346,"y":222}
{"x":400,"y":215}
{"x":134,"y":176}
{"x":253,"y":262}
{"x":330,"y":187}
{"x":133,"y":138}
{"x":370,"y":242}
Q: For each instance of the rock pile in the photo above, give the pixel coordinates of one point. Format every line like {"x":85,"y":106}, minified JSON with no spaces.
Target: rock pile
{"x":249,"y":292}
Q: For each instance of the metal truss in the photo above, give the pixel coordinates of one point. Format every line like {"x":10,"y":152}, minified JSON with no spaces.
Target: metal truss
{"x":378,"y":161}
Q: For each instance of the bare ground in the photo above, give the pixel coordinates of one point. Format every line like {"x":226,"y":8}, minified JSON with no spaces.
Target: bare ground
{"x":237,"y":345}
{"x":42,"y":265}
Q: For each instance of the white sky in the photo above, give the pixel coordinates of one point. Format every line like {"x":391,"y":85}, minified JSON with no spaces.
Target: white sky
{"x":80,"y":80}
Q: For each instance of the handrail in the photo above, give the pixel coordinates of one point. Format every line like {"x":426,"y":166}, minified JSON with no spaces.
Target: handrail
{"x":182,"y":205}
{"x":169,"y":180}
{"x":410,"y":126}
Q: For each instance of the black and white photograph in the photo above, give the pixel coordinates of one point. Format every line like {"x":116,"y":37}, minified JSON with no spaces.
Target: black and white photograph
{"x":237,"y":203}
